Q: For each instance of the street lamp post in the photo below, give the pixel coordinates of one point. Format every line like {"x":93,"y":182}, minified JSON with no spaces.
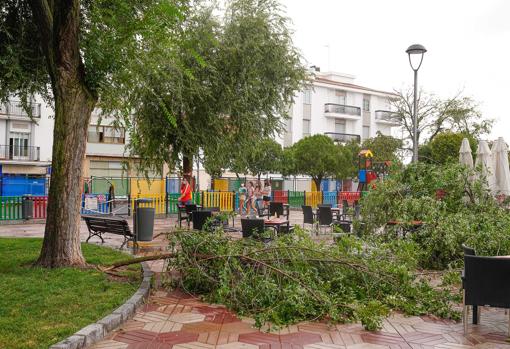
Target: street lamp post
{"x":416,"y":51}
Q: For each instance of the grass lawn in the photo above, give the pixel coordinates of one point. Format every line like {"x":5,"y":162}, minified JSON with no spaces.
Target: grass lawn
{"x":40,"y":307}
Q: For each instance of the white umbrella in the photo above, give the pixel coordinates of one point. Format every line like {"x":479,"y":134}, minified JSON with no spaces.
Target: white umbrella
{"x":465,"y":156}
{"x":484,"y":161}
{"x":500,"y":166}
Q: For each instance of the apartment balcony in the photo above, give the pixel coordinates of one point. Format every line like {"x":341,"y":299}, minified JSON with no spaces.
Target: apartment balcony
{"x":343,"y":137}
{"x":18,"y":153}
{"x":14,"y":109}
{"x":340,"y":111}
{"x":386,"y":117}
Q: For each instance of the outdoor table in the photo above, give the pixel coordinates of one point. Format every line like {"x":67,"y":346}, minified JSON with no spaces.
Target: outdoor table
{"x":277,"y":223}
{"x":413,"y":225}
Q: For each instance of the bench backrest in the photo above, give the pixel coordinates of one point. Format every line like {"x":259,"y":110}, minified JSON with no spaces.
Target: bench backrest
{"x":108,"y":225}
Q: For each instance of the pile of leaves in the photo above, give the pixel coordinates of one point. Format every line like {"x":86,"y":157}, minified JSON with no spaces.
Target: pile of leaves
{"x":294,"y":278}
{"x":453,"y":203}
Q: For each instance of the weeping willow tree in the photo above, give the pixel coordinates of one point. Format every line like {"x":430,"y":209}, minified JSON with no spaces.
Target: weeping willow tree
{"x":236,"y":74}
{"x":74,"y":53}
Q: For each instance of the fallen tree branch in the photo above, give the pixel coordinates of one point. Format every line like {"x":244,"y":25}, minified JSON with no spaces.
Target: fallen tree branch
{"x":137,"y":260}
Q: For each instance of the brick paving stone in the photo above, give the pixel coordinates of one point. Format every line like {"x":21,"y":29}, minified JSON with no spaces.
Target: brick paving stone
{"x":263,"y":340}
{"x":324,"y":346}
{"x":300,"y":338}
{"x":193,"y":345}
{"x":186,"y":318}
{"x":151,"y":316}
{"x":177,"y":337}
{"x":109,"y":344}
{"x":237,"y":345}
{"x":200,"y":327}
{"x":162,"y":326}
{"x":135,"y":336}
{"x":367,"y":346}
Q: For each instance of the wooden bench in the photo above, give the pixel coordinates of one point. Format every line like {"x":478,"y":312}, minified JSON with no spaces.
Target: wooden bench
{"x":99,"y":225}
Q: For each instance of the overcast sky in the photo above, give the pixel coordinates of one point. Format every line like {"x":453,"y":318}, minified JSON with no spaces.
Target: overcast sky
{"x":468,"y":45}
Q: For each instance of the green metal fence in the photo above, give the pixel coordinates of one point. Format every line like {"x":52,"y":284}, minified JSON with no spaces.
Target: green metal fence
{"x":296,"y":198}
{"x":10,"y":207}
{"x":173,"y":199}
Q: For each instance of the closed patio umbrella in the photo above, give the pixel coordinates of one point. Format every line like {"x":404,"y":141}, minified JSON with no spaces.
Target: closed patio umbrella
{"x":500,"y":166}
{"x":465,"y":156}
{"x":484,"y":162}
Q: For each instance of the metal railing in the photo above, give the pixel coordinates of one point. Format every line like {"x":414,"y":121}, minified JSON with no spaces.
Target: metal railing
{"x":342,"y":109}
{"x":14,"y":108}
{"x":385,"y":115}
{"x":343,"y":137}
{"x":10,"y":152}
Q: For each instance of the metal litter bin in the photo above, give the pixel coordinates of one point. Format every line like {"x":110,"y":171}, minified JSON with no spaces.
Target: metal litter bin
{"x":143,"y":220}
{"x":27,"y":208}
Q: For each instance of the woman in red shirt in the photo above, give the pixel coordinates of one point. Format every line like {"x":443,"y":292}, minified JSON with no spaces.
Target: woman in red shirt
{"x":185,"y":198}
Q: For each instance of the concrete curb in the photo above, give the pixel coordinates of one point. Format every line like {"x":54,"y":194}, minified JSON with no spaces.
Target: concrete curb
{"x":97,"y":331}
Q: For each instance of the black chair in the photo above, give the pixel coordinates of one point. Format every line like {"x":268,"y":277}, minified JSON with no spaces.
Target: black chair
{"x":325,"y":216}
{"x":345,"y":226}
{"x":250,"y":226}
{"x":185,"y":212}
{"x":486,"y":282}
{"x":345,"y":209}
{"x":308,"y":215}
{"x":199,"y":218}
{"x":325,"y":205}
{"x":469,"y":251}
{"x":275,"y":208}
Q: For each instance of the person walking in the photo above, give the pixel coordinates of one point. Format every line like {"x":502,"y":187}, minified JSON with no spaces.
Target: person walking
{"x":242,"y":198}
{"x":266,"y":192}
{"x":257,"y":198}
{"x":249,"y":199}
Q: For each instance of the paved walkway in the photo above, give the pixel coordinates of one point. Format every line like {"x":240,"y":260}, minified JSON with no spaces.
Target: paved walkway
{"x":173,"y":320}
{"x":179,"y":321}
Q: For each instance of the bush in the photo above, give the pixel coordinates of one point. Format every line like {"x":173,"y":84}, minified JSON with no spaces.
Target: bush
{"x":466,"y":214}
{"x":295,"y":279}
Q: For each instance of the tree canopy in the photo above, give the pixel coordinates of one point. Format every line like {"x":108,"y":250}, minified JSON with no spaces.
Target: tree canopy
{"x":444,"y":148}
{"x":319,"y":157}
{"x":234,"y":76}
{"x":436,"y":115}
{"x":383,"y":147}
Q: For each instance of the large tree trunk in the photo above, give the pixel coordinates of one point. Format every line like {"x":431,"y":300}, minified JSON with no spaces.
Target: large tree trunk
{"x":59,"y":24}
{"x":61,"y":246}
{"x":187,"y":167}
{"x":317,"y":181}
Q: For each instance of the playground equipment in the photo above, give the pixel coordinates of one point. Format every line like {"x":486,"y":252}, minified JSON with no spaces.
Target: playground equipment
{"x":365,"y":172}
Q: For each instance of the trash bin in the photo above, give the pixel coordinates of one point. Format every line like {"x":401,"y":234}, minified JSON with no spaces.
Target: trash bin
{"x":144,"y":220}
{"x":27,"y":208}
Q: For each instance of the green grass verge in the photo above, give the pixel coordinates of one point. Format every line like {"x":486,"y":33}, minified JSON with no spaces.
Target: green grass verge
{"x":39,"y":307}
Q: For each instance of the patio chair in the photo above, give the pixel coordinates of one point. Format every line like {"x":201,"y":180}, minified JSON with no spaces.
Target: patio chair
{"x":486,"y":282}
{"x":276,"y":208}
{"x":326,"y":217}
{"x":308,"y":215}
{"x":251,"y":226}
{"x":199,"y":218}
{"x":184,"y":213}
{"x":345,"y":209}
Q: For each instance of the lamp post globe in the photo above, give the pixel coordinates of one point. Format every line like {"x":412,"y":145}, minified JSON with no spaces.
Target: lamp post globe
{"x":418,"y":51}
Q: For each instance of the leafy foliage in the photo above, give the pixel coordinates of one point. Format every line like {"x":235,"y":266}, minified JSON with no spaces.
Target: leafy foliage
{"x":444,"y":148}
{"x":383,"y":147}
{"x":228,"y":85}
{"x":435,"y":115}
{"x":319,"y":157}
{"x":467,"y":213}
{"x":295,"y":279}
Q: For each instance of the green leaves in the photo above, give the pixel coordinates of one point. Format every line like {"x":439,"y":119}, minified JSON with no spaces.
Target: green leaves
{"x":296,"y":279}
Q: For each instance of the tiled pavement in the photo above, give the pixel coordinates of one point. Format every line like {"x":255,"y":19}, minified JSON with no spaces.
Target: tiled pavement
{"x":179,"y":321}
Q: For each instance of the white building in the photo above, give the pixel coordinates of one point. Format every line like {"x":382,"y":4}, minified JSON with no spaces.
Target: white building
{"x":25,"y":147}
{"x":335,"y":106}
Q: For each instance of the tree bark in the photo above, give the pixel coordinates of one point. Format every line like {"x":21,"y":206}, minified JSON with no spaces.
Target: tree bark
{"x":317,"y":181}
{"x":61,"y":245}
{"x":187,"y":167}
{"x":59,"y":24}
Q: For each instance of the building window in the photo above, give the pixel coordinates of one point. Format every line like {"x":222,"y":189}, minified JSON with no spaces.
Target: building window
{"x":105,"y":134}
{"x":107,"y":169}
{"x":306,"y":128}
{"x":340,"y":126}
{"x":366,"y":132}
{"x":366,"y":104}
{"x":307,"y":96}
{"x":339,"y":97}
{"x":18,"y":144}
